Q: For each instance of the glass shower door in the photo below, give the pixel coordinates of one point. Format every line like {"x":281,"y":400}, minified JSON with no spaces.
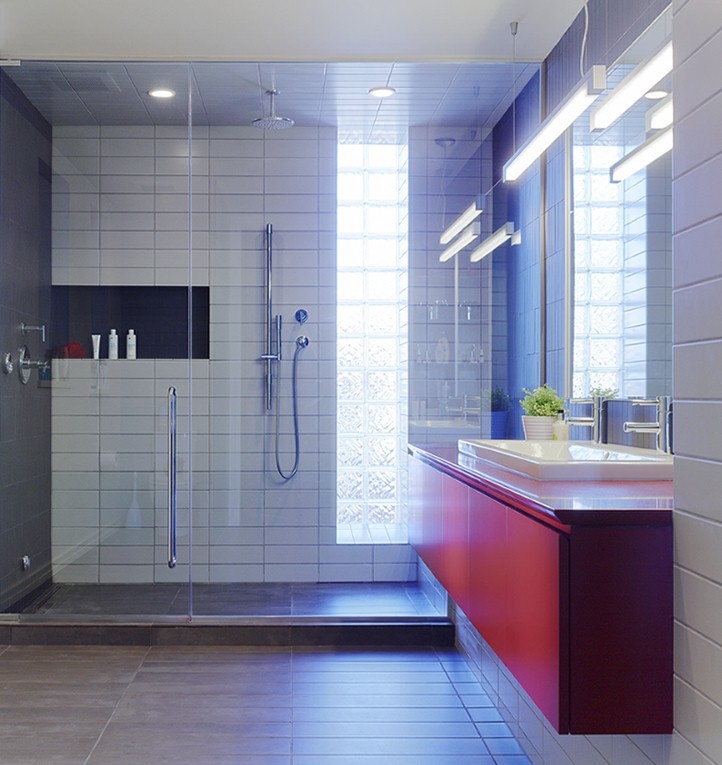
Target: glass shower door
{"x":117,"y":265}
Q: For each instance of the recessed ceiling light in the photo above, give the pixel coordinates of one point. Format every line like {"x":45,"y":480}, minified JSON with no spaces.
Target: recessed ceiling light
{"x":161,"y":93}
{"x":384,"y":92}
{"x":656,"y":95}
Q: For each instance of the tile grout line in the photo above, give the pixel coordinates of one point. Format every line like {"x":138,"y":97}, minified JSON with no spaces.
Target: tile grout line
{"x":117,"y":705}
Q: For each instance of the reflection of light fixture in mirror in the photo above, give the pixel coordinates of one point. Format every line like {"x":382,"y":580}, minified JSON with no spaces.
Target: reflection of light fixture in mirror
{"x":383,"y":92}
{"x":472,"y":211}
{"x":500,"y":236}
{"x":656,"y":95}
{"x":660,"y":115}
{"x":557,"y":122}
{"x":161,"y":93}
{"x":467,"y":237}
{"x":653,"y":148}
{"x":638,"y":82}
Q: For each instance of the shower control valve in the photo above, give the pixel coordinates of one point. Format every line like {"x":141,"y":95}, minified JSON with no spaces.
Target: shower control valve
{"x":302,"y":316}
{"x":302,"y":341}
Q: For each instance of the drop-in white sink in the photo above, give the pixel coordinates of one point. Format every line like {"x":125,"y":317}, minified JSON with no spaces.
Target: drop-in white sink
{"x":572,"y":460}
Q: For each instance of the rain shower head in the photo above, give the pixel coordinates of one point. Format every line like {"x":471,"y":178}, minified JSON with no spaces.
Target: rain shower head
{"x":272,"y":122}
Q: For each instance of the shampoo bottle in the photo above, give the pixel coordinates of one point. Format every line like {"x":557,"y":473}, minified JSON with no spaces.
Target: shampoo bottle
{"x":113,"y":344}
{"x":130,"y":345}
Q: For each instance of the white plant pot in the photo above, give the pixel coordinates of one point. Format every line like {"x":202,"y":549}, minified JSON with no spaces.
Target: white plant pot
{"x":537,"y":428}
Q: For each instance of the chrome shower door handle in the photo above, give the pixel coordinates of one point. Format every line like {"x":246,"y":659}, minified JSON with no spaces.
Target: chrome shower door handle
{"x":172,"y":475}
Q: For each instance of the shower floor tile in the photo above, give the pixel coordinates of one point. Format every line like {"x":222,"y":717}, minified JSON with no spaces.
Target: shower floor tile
{"x":298,"y":600}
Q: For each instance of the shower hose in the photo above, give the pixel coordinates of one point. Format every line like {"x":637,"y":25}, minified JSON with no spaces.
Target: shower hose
{"x":301,"y":343}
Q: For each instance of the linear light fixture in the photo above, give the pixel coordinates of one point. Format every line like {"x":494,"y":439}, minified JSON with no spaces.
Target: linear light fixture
{"x":467,"y":237}
{"x":489,"y":244}
{"x":653,"y":148}
{"x":638,"y":82}
{"x":472,"y":211}
{"x":557,"y":122}
{"x":660,"y":115}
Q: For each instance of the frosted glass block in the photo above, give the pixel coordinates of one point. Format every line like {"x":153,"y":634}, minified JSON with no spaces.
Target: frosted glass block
{"x":381,"y":418}
{"x":350,"y":418}
{"x":607,"y":380}
{"x":350,"y":155}
{"x":381,"y":484}
{"x":581,"y":290}
{"x":382,"y":253}
{"x":350,"y":220}
{"x":581,"y":188}
{"x":381,"y":286}
{"x":581,"y":221}
{"x":350,"y":451}
{"x":605,"y":253}
{"x":603,"y":157}
{"x":350,"y":253}
{"x":380,"y":155}
{"x":581,"y":252}
{"x":603,"y":353}
{"x":382,"y":514}
{"x":581,"y":352}
{"x":382,"y":319}
{"x":350,"y":512}
{"x":602,"y":190}
{"x":605,"y":288}
{"x":579,"y":385}
{"x":381,"y":452}
{"x":350,"y":319}
{"x":581,"y":320}
{"x":383,"y":187}
{"x":381,"y":353}
{"x":349,"y":285}
{"x":350,"y":353}
{"x":604,"y":320}
{"x":350,"y":484}
{"x":350,"y":187}
{"x":350,"y":386}
{"x":581,"y":158}
{"x":382,"y":220}
{"x":382,"y":386}
{"x":606,"y":221}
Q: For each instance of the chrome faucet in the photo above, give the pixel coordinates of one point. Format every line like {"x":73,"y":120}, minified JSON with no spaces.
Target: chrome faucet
{"x":595,"y":421}
{"x":662,"y":428}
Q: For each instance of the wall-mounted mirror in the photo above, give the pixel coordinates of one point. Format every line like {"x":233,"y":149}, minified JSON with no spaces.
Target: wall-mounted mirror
{"x":622,"y":243}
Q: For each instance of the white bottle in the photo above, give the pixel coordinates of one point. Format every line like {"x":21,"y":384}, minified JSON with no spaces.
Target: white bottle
{"x":130,"y":345}
{"x":113,"y":345}
{"x":560,"y":428}
{"x":441,"y":352}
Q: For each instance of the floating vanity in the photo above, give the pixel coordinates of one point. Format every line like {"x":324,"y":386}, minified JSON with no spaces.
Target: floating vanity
{"x":569,"y":581}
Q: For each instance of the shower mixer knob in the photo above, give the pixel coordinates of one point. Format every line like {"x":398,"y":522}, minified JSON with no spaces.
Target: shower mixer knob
{"x":302,"y":341}
{"x":302,"y":316}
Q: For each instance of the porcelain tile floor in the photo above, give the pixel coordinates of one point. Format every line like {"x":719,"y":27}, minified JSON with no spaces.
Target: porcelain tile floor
{"x":357,"y":599}
{"x":112,"y":705}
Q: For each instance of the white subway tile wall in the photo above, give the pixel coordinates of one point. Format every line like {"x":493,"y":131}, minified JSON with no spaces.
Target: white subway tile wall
{"x":121,"y":217}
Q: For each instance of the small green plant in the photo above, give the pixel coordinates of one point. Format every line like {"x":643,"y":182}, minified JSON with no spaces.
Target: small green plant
{"x":604,"y":392}
{"x":541,"y":402}
{"x":500,"y":401}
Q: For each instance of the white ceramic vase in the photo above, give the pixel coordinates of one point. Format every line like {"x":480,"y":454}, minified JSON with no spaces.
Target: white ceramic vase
{"x":537,"y":428}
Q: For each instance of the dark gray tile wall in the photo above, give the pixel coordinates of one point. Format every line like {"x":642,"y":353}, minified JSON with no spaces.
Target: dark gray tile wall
{"x":25,"y":184}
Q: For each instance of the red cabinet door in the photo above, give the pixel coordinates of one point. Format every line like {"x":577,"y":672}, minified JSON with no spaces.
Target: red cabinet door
{"x":488,"y":567}
{"x":425,"y":513}
{"x":454,"y":554}
{"x":536,"y":640}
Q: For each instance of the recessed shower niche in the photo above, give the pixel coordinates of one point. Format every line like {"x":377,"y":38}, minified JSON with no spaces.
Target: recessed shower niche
{"x":158,"y":315}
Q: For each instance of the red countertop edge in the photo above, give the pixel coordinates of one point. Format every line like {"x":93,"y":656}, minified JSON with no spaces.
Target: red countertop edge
{"x":506,"y":487}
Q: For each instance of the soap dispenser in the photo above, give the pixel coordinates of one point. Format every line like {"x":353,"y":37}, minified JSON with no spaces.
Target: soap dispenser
{"x":560,"y":428}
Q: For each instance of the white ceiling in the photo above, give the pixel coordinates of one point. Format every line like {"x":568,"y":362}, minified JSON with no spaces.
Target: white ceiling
{"x":282,"y":30}
{"x":335,"y":94}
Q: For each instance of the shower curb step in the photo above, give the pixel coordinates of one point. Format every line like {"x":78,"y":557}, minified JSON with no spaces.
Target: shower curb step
{"x":437,"y":633}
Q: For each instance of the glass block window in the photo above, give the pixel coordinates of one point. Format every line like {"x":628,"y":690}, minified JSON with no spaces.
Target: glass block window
{"x":371,"y":342}
{"x":598,"y":267}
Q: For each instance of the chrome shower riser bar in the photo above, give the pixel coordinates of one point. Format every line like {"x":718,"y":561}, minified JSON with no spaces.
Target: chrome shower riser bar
{"x":273,"y":324}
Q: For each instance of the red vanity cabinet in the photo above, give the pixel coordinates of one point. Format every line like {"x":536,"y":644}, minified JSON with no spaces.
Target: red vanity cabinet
{"x":580,"y":613}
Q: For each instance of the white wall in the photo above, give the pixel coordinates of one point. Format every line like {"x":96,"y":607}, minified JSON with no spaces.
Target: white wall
{"x":697,"y":194}
{"x":121,"y":217}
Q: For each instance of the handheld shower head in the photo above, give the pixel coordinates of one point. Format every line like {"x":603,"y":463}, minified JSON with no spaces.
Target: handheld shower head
{"x":272,"y":121}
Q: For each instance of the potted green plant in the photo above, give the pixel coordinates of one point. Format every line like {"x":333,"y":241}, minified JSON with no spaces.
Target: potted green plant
{"x":500,"y":404}
{"x":541,"y":407}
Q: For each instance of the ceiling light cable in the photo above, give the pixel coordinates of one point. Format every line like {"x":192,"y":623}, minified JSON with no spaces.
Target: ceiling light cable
{"x":584,"y":39}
